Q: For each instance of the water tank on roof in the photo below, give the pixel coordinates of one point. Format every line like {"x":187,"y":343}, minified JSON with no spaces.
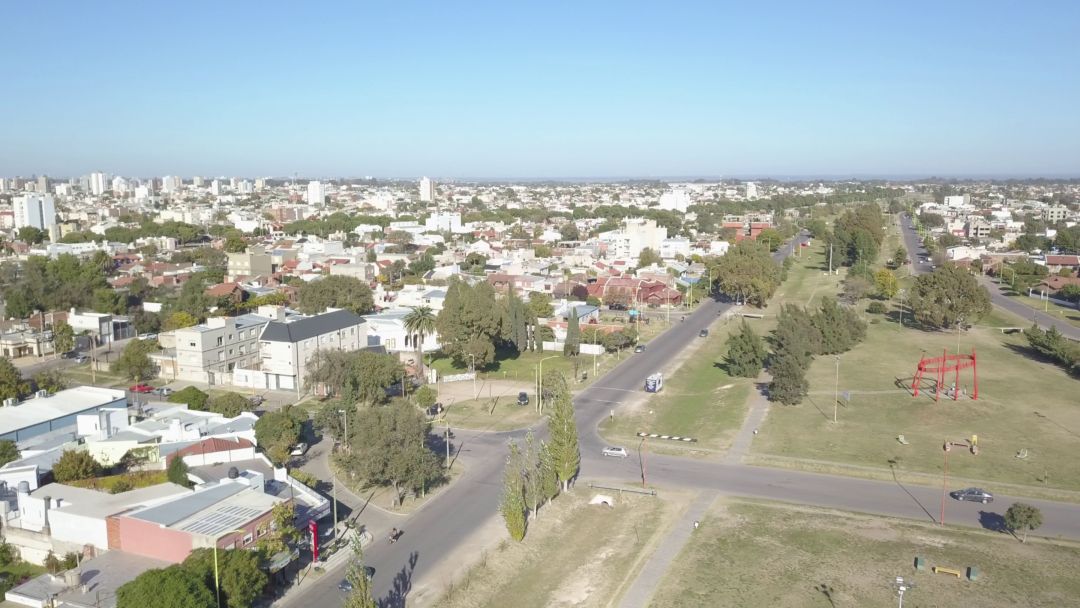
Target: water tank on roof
{"x":24,"y":487}
{"x":233,"y":473}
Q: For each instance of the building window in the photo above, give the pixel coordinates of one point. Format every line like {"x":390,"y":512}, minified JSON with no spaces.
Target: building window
{"x":221,"y":355}
{"x":230,"y":352}
{"x":242,"y":349}
{"x":220,"y":341}
{"x":191,"y":344}
{"x":230,"y":337}
{"x":248,"y":538}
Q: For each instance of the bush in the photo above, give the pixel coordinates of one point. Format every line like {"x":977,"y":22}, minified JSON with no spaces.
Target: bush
{"x":193,"y":397}
{"x":877,"y":308}
{"x":305,"y":478}
{"x":121,"y":485}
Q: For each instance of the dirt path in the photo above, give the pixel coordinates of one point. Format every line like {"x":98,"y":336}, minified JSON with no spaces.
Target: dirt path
{"x":467,"y":390}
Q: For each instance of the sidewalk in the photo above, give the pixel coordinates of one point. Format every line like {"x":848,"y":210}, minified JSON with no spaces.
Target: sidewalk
{"x":759,"y":406}
{"x":643,"y":587}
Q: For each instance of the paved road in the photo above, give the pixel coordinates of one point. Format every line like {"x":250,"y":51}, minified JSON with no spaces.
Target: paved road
{"x":999,"y":299}
{"x":470,"y":503}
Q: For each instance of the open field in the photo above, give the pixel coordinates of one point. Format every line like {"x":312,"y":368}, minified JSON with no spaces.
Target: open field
{"x":752,"y":554}
{"x":574,"y":554}
{"x":499,"y":413}
{"x":80,"y":374}
{"x":1024,"y":403}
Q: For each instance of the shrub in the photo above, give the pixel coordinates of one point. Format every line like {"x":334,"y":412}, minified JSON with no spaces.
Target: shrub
{"x":877,"y":308}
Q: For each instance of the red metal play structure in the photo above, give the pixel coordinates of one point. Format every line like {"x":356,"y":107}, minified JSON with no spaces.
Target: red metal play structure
{"x":939,"y":366}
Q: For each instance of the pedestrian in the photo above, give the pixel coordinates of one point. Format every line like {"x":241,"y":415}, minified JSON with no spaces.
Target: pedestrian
{"x":393,"y":535}
{"x":755,"y":431}
{"x":696,"y":524}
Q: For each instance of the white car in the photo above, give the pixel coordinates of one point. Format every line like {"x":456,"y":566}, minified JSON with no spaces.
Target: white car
{"x":615,"y":451}
{"x":299,"y":450}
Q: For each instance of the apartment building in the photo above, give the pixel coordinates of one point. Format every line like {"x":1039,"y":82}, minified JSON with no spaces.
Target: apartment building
{"x":288,"y":346}
{"x":211,"y":351}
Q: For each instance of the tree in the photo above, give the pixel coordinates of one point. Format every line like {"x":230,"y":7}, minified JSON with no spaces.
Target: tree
{"x":335,"y":291}
{"x":512,"y":502}
{"x":134,"y":362}
{"x":50,"y":380}
{"x":108,"y":301}
{"x":856,"y":288}
{"x":9,"y":452}
{"x":1022,"y":516}
{"x":746,"y":353}
{"x":470,"y":323}
{"x":771,"y":237}
{"x":569,"y":232}
{"x":389,"y":447}
{"x":276,"y":432}
{"x":356,"y":574}
{"x":229,"y":405}
{"x":540,"y":304}
{"x":549,"y":477}
{"x":234,"y":243}
{"x":179,"y":320}
{"x":172,"y":587}
{"x":177,"y":472}
{"x":931,"y":220}
{"x":12,"y":384}
{"x":899,"y":257}
{"x":565,"y":451}
{"x":572,"y":345}
{"x":74,"y":465}
{"x":63,"y":337}
{"x":840,"y":328}
{"x":886,"y":283}
{"x":648,"y":257}
{"x":789,"y":384}
{"x":747,"y":272}
{"x":281,"y":533}
{"x":420,"y":323}
{"x":192,"y":396}
{"x":532,"y":475}
{"x":947,"y":295}
{"x":241,"y":579}
{"x":796,"y":336}
{"x":31,"y":235}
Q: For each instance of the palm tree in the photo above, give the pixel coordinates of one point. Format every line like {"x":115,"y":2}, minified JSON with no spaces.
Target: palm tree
{"x":420,"y":322}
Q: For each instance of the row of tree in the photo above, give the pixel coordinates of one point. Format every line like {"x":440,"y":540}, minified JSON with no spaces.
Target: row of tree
{"x":799,"y":336}
{"x":14,"y":385}
{"x":1050,"y":343}
{"x":747,"y":273}
{"x":537,"y":473}
{"x":474,"y":323}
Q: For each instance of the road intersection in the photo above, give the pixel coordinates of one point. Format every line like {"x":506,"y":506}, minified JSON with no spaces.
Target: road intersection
{"x":416,"y":566}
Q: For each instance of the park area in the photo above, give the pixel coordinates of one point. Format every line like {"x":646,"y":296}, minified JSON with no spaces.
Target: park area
{"x":1026,"y":419}
{"x":575,"y":554}
{"x":754,"y":554}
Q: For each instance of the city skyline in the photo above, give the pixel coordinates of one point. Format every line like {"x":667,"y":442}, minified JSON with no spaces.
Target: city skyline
{"x":503,"y":92}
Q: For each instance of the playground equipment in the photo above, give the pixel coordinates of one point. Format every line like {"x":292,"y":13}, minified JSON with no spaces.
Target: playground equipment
{"x":971,"y":444}
{"x":939,"y":366}
{"x":941,"y":570}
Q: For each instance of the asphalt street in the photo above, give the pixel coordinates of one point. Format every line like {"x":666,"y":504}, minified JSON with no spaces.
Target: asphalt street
{"x":470,"y":503}
{"x":999,"y":299}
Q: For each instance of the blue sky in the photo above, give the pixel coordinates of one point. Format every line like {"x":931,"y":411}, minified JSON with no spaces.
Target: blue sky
{"x":552,"y":89}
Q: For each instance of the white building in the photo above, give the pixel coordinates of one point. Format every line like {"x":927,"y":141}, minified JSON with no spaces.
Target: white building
{"x":170,"y":184}
{"x":211,"y":351}
{"x":97,"y":184}
{"x":675,"y":200}
{"x":635,"y":235}
{"x":23,"y":422}
{"x":444,"y":222}
{"x":197,"y":181}
{"x":215,"y":188}
{"x":120,"y":185}
{"x":957,"y":201}
{"x":427,"y":189}
{"x":751,"y":191}
{"x":316,"y":194}
{"x":669,"y":248}
{"x":37,"y":210}
{"x":287,"y":347}
{"x":387,"y":329}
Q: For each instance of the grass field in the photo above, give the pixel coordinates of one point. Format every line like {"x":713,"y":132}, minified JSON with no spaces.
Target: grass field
{"x":1067,"y":313}
{"x":1024,"y":403}
{"x":80,"y":374}
{"x":753,"y":555}
{"x":574,"y":554}
{"x":495,"y":414}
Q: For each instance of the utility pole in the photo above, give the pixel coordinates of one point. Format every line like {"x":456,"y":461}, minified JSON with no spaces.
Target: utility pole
{"x":836,"y":390}
{"x":830,"y":257}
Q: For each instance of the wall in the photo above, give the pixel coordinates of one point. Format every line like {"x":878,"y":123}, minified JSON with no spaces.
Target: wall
{"x":13,"y":475}
{"x":198,"y":460}
{"x":151,"y":540}
{"x":78,"y":529}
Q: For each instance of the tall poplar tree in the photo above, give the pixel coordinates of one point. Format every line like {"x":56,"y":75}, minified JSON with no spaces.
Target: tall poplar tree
{"x":512,"y":503}
{"x":565,"y":449}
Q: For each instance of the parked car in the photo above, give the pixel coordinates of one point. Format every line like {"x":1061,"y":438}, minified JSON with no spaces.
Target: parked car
{"x":523,"y":398}
{"x":973,"y":495}
{"x":163,"y":391}
{"x":256,"y":400}
{"x":345,"y":585}
{"x":299,"y":449}
{"x":703,"y":333}
{"x":69,"y":355}
{"x":148,"y":336}
{"x":640,"y":348}
{"x":616,"y":452}
{"x":141,"y":388}
{"x":80,"y":359}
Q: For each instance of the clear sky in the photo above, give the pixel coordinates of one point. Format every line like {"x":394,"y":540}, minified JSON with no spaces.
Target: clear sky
{"x":585,"y":88}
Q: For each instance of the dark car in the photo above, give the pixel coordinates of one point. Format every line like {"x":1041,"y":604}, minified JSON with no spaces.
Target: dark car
{"x":640,"y":348}
{"x":973,"y":495}
{"x":69,"y":354}
{"x":703,"y":333}
{"x":523,"y":398}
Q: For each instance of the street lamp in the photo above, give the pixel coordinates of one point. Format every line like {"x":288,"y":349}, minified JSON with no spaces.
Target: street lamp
{"x":472,"y":367}
{"x":836,"y":389}
{"x":903,"y":292}
{"x":217,"y":578}
{"x":540,"y":391}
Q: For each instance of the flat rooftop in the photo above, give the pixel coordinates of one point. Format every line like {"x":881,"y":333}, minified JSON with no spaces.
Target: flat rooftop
{"x":93,"y":503}
{"x":102,"y":575}
{"x":208,"y":512}
{"x":65,"y":403}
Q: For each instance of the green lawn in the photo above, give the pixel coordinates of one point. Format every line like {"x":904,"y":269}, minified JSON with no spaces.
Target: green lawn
{"x":137,"y":479}
{"x":1069,"y":313}
{"x":494,"y":414}
{"x":80,"y":374}
{"x":1023,"y":403}
{"x":753,"y":555}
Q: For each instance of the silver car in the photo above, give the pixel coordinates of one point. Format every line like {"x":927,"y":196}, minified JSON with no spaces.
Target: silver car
{"x":616,"y":452}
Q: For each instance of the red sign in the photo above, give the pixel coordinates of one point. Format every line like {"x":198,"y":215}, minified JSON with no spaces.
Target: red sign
{"x":313,"y":527}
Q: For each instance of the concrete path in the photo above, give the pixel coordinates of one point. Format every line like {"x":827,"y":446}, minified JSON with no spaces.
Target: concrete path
{"x":644,"y":586}
{"x":759,"y":406}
